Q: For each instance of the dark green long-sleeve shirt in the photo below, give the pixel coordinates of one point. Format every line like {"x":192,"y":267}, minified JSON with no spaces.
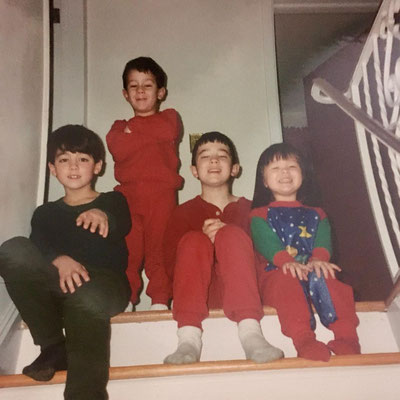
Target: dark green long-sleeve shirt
{"x":55,"y":233}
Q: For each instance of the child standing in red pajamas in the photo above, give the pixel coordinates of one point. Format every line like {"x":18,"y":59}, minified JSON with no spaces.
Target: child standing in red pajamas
{"x":294,"y":240}
{"x":209,"y":256}
{"x":144,"y":150}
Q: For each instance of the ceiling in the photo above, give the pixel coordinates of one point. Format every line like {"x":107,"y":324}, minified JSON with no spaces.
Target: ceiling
{"x":325,"y":6}
{"x":307,"y":34}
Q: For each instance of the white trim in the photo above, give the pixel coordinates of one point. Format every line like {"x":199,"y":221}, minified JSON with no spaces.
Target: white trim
{"x":327,"y":6}
{"x":8,"y":317}
{"x":271,"y":74}
{"x":45,"y":103}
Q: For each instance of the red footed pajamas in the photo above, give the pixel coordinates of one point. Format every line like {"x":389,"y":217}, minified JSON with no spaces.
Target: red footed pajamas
{"x":284,"y":292}
{"x":146,"y":165}
{"x":207,"y":275}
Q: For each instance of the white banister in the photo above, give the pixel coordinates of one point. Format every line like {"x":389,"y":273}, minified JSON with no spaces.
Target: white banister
{"x":373,"y":102}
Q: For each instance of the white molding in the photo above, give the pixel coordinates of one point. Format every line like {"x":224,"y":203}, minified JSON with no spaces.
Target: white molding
{"x":7,"y":319}
{"x":45,"y":104}
{"x":326,"y":6}
{"x":273,"y":114}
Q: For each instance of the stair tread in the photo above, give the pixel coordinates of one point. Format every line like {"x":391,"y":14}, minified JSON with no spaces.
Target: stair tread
{"x":209,"y":367}
{"x":166,"y":315}
{"x":153,"y":316}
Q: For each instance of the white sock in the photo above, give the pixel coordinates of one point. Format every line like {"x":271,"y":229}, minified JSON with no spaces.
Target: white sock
{"x":158,"y":307}
{"x":189,"y":346}
{"x":254,"y":344}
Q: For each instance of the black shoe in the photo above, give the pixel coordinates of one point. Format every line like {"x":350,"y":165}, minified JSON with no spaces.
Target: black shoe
{"x":51,"y":359}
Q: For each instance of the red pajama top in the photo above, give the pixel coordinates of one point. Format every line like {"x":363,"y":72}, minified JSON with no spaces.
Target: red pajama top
{"x":149,"y":152}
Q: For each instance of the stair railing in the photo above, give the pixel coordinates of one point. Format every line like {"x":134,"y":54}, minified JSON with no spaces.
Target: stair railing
{"x":373,"y":101}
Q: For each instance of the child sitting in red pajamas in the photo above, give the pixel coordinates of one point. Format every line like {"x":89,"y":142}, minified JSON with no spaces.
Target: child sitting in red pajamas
{"x":144,"y":150}
{"x":295,"y":240}
{"x":209,"y":256}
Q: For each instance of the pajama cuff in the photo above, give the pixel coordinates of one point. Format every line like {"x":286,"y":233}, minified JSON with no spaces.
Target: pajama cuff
{"x":282,"y":257}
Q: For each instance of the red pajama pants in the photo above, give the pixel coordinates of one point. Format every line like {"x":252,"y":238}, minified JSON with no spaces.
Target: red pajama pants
{"x":219,"y":275}
{"x":285,"y":293}
{"x":150,"y":207}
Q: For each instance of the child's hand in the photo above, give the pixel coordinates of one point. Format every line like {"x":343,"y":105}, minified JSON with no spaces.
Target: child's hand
{"x":211,"y":226}
{"x":70,"y":272}
{"x":94,"y":219}
{"x":297,"y":269}
{"x":326,"y":268}
{"x":127,"y":130}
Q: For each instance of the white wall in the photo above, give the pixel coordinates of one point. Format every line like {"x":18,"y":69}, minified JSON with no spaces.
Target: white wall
{"x":213,"y":53}
{"x":69,"y":88}
{"x":21,"y":96}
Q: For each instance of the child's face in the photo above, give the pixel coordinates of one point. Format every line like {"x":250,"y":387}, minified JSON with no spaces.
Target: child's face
{"x":142,"y":93}
{"x":214,"y":164}
{"x":75,"y":171}
{"x":284,"y":178}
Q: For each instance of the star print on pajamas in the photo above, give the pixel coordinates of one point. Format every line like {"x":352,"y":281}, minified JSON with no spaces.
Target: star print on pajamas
{"x":297,"y":227}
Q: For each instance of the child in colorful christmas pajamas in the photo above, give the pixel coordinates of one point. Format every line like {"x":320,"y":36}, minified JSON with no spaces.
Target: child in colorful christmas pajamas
{"x":144,"y":150}
{"x":210,"y":259}
{"x":294,"y":245}
{"x":71,"y":272}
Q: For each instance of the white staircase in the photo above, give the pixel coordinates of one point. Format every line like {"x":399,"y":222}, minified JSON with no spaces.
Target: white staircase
{"x":141,"y":340}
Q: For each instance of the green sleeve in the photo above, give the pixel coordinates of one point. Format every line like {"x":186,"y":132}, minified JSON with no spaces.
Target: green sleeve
{"x":265,"y":240}
{"x":323,"y":236}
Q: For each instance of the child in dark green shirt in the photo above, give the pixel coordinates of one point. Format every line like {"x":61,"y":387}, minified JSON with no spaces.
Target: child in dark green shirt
{"x":70,"y":274}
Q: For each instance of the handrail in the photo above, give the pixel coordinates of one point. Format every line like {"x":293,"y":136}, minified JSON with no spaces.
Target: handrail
{"x":393,"y":294}
{"x":372,"y":126}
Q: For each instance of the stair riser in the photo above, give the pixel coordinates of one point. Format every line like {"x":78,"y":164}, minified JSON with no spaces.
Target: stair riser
{"x":150,"y":342}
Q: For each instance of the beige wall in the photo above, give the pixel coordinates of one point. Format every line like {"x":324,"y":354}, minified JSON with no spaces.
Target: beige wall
{"x":21,"y":88}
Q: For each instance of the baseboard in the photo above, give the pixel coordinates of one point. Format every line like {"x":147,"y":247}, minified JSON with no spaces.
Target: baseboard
{"x":7,"y":317}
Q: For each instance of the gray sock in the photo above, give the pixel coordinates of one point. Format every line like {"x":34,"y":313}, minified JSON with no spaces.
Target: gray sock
{"x":189,"y":346}
{"x":254,"y":344}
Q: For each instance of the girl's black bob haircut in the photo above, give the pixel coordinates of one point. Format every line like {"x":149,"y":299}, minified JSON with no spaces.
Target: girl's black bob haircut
{"x":76,"y":139}
{"x":306,"y":193}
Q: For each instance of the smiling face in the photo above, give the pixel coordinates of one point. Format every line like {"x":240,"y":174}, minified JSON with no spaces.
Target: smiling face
{"x":214,"y":164}
{"x":75,"y":171}
{"x":284,"y":178}
{"x":142,"y":93}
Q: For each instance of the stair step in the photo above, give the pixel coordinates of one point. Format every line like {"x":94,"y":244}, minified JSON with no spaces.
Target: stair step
{"x":213,"y":367}
{"x":153,"y":316}
{"x":140,"y":341}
